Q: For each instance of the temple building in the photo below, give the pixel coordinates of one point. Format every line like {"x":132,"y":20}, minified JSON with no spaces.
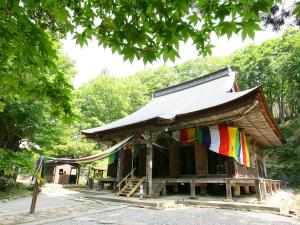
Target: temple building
{"x":201,"y":136}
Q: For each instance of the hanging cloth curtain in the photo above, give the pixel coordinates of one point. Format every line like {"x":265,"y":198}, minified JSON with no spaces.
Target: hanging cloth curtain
{"x":222,"y":139}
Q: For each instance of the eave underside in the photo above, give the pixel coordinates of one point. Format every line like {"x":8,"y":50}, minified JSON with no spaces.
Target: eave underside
{"x":248,"y":116}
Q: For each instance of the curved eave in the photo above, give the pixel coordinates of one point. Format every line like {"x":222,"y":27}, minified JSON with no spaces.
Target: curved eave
{"x":255,"y":94}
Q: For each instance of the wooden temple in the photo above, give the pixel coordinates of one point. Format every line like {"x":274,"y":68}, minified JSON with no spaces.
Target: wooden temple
{"x":166,"y":165}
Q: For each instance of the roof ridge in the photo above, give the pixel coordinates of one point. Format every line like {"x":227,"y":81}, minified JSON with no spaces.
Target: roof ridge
{"x":192,"y":83}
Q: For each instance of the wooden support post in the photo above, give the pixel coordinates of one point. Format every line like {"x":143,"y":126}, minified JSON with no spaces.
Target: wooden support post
{"x":237,"y":190}
{"x":164,"y":193}
{"x":120,"y":166}
{"x":193,"y":190}
{"x":100,"y":185}
{"x":263,"y":189}
{"x":274,"y":186}
{"x":269,"y":188}
{"x":175,"y":188}
{"x":149,"y":162}
{"x":34,"y":197}
{"x":246,"y":189}
{"x":278,"y":185}
{"x":203,"y":189}
{"x":228,"y":192}
{"x":258,"y":190}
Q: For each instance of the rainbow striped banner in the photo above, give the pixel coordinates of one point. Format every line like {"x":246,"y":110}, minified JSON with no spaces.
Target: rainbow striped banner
{"x":222,"y":139}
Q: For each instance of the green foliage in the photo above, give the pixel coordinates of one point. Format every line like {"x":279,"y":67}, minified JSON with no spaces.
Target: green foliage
{"x":10,"y":161}
{"x":283,"y":162}
{"x":9,"y":188}
{"x":275,"y":65}
{"x":141,"y":29}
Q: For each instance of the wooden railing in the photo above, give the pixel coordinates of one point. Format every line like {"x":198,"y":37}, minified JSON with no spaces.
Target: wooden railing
{"x":125,"y":180}
{"x":136,"y":187}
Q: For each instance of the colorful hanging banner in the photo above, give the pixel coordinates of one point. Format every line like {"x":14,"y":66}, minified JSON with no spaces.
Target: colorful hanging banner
{"x":222,"y":139}
{"x":99,"y":156}
{"x":113,"y":158}
{"x":39,"y":171}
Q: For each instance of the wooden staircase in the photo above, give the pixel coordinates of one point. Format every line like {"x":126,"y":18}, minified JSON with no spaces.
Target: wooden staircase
{"x":129,"y":185}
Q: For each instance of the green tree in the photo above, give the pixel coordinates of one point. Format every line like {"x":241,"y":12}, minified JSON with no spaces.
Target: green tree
{"x":275,"y":65}
{"x":135,"y":29}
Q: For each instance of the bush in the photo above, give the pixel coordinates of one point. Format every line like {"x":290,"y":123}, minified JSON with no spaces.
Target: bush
{"x":7,"y":184}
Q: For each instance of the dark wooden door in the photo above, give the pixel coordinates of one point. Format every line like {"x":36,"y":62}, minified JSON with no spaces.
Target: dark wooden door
{"x":201,"y":159}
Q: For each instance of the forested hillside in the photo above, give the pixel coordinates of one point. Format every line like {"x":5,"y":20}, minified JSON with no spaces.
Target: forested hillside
{"x":274,"y":64}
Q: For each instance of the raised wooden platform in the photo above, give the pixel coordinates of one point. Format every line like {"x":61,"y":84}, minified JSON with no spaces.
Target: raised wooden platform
{"x":260,"y":186}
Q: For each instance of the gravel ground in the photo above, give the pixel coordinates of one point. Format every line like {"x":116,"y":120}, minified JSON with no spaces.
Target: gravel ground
{"x":63,"y":206}
{"x":53,"y":196}
{"x":183,"y":215}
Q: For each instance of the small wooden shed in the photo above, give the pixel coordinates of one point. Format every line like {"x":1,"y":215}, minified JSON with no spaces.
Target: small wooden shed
{"x":62,"y":173}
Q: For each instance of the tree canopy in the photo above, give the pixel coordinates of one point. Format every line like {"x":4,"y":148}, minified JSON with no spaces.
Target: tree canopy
{"x":140,"y":29}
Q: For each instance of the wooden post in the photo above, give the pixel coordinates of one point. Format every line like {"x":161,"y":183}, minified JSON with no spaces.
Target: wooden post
{"x":34,"y":197}
{"x":203,"y":189}
{"x":258,"y":190}
{"x":175,"y":188}
{"x":269,"y":187}
{"x":193,"y":190}
{"x":237,"y":190}
{"x":228,"y":191}
{"x":264,"y":189}
{"x":246,"y":189}
{"x":164,"y":193}
{"x":132,"y":157}
{"x":120,"y":166}
{"x":149,"y":162}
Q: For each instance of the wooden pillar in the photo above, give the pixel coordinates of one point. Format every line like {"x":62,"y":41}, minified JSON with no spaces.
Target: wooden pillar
{"x":263,"y":189}
{"x":236,"y":170}
{"x":237,"y":190}
{"x":120,"y":166}
{"x":228,"y":191}
{"x":164,"y":193}
{"x":203,"y":189}
{"x":174,"y":160}
{"x":258,"y":190}
{"x":149,"y":163}
{"x":269,"y":187}
{"x":193,"y":190}
{"x":246,"y":189}
{"x":175,"y":188}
